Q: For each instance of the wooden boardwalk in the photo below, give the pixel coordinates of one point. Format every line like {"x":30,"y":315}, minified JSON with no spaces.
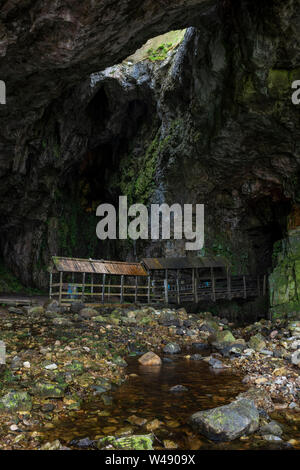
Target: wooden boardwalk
{"x":238,"y":287}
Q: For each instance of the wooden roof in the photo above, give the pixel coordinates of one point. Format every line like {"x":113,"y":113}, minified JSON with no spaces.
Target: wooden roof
{"x":79,"y":265}
{"x":185,"y":263}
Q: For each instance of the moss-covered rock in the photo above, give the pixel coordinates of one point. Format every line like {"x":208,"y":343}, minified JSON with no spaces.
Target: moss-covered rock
{"x":36,"y":310}
{"x":228,"y":422}
{"x":143,"y":442}
{"x":15,"y":401}
{"x":224,"y":336}
{"x":257,"y":342}
{"x":49,"y":390}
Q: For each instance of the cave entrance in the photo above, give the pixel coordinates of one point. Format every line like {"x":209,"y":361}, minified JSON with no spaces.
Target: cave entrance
{"x":266,"y":224}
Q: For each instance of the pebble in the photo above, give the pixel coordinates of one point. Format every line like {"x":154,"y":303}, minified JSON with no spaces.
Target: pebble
{"x":51,"y":366}
{"x":26,"y":364}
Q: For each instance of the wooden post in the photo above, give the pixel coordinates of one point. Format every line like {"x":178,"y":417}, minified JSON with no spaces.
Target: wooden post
{"x":92,"y":284}
{"x":166,"y":287}
{"x":265,"y":285}
{"x":83,"y":287}
{"x":149,"y":287}
{"x":166,"y":291}
{"x":228,"y":284}
{"x":178,"y":288}
{"x":103,"y":287}
{"x":196,"y":287}
{"x":245,"y":287}
{"x":213,"y":284}
{"x":108,"y":290}
{"x":60,"y":286}
{"x":136,"y":288}
{"x":122,"y":288}
{"x":50,"y":285}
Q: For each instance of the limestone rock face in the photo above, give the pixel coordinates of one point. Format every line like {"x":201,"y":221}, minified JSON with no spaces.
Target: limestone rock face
{"x":213,"y":123}
{"x":228,"y":422}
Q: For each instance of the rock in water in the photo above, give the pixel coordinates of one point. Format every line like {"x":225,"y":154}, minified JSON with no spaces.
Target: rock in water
{"x":178,"y":389}
{"x":150,"y":359}
{"x":143,"y":442}
{"x":228,"y":422}
{"x":172,"y":348}
{"x":273,"y":428}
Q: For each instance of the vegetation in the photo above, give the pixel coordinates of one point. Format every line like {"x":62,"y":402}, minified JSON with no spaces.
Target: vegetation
{"x":9,"y":284}
{"x":160,"y":53}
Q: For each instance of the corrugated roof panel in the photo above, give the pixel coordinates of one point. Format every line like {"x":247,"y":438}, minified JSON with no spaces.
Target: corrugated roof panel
{"x":98,"y":266}
{"x":185,"y":262}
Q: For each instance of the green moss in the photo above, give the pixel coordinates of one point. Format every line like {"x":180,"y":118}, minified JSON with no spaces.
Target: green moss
{"x":143,"y":442}
{"x":160,"y":53}
{"x":137,"y":174}
{"x":280,"y":81}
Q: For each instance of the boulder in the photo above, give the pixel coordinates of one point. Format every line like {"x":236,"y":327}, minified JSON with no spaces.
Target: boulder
{"x":224,"y":336}
{"x":51,"y":305}
{"x":39,"y":310}
{"x":88,"y":312}
{"x":216,"y":363}
{"x":257,"y":342}
{"x":178,"y":389}
{"x":294,"y":327}
{"x":168,"y":318}
{"x":16,"y":310}
{"x":227,"y":422}
{"x":295,"y":358}
{"x":142,"y":442}
{"x":15,"y":401}
{"x":172,"y":348}
{"x":150,"y":359}
{"x":49,"y":390}
{"x":196,"y":357}
{"x":271,"y":428}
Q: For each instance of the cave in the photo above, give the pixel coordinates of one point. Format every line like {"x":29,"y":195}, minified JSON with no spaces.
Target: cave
{"x":165,"y":102}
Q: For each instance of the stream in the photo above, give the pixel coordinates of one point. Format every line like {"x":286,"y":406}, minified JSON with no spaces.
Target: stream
{"x":146,"y":395}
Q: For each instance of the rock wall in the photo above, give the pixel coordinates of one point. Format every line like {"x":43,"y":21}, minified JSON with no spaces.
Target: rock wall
{"x":213,"y":123}
{"x":285,"y":278}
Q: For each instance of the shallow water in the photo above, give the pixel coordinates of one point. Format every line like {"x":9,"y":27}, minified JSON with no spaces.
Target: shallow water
{"x":147,"y":396}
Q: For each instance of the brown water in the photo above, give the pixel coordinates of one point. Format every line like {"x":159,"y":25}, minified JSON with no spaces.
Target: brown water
{"x":147,"y":396}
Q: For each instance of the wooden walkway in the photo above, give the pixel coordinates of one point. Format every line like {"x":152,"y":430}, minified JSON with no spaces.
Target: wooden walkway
{"x":162,"y":291}
{"x":215,"y":288}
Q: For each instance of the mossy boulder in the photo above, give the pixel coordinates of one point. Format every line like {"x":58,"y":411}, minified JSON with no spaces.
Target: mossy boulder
{"x":224,"y":336}
{"x":228,"y":422}
{"x":36,"y":310}
{"x":88,"y":312}
{"x":15,"y":401}
{"x":49,"y":390}
{"x":257,"y":342}
{"x":143,"y":442}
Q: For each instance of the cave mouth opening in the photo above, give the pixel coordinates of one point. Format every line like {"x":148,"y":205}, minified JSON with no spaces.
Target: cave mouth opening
{"x":265,"y":225}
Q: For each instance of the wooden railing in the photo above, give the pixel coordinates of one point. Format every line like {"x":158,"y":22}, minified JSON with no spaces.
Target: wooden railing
{"x":162,"y":290}
{"x":177,"y":290}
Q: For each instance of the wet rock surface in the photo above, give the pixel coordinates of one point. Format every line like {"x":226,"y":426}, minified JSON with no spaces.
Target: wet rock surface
{"x":227,"y":422}
{"x":55,"y":370}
